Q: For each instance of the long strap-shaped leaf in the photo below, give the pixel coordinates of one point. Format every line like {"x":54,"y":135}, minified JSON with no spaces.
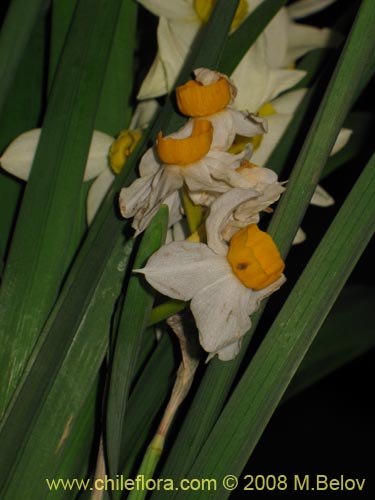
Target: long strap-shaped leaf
{"x":14,"y":37}
{"x":219,"y":377}
{"x":44,"y":437}
{"x":38,"y":257}
{"x":133,"y":321}
{"x":259,"y":391}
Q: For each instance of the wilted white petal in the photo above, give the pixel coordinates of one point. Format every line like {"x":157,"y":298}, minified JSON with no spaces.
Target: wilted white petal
{"x":248,"y":124}
{"x":143,"y":114}
{"x":180,"y":269}
{"x":224,"y":130}
{"x":220,"y":213}
{"x":321,"y":198}
{"x":97,"y":192}
{"x":342,"y":140}
{"x":221,"y":311}
{"x":300,"y":237}
{"x":150,"y":163}
{"x":19,"y":155}
{"x":207,"y":76}
{"x":135,"y":196}
{"x":258,"y":175}
{"x":228,"y":352}
{"x":304,"y":8}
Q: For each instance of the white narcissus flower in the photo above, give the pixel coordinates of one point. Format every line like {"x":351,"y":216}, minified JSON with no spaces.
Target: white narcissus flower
{"x":225,"y":285}
{"x":279,"y":114}
{"x":18,"y":157}
{"x":211,"y":96}
{"x":141,"y":118}
{"x":184,"y":157}
{"x":262,"y":73}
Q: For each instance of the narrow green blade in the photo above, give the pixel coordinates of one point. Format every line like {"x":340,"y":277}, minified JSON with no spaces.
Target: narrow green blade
{"x":53,"y":399}
{"x":259,"y":391}
{"x":134,"y":317}
{"x":44,"y":227}
{"x":14,"y":37}
{"x":218,"y":377}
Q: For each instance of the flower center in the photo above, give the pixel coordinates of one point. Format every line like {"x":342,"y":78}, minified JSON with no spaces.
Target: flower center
{"x":121,"y":149}
{"x":189,"y":150}
{"x":195,"y":99}
{"x":240,"y":142}
{"x":254,"y":258}
{"x":203,"y":8}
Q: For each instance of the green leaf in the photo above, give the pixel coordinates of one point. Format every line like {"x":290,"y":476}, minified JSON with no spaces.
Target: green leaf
{"x":22,"y":110}
{"x":241,"y":40}
{"x":345,"y":334}
{"x":218,"y":377}
{"x":14,"y":37}
{"x":56,"y":385}
{"x":32,"y":278}
{"x":133,"y":321}
{"x":260,"y":389}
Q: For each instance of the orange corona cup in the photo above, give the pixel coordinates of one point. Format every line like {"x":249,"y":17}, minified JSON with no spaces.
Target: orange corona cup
{"x":254,"y":258}
{"x":188,"y":150}
{"x":195,"y":99}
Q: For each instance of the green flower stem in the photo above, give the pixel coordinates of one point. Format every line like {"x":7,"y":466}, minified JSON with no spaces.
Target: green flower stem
{"x":165,"y":310}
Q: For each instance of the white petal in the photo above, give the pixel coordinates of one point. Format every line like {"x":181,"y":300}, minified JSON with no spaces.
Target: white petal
{"x":248,"y":124}
{"x":321,"y":198}
{"x":97,"y":160}
{"x":304,"y":8}
{"x":150,"y":163}
{"x":289,"y":102}
{"x":178,"y":9}
{"x":276,"y":36}
{"x":276,"y":128}
{"x":155,"y":82}
{"x":228,"y":352}
{"x":97,"y":192}
{"x":180,"y":269}
{"x":221,"y":312}
{"x":257,"y":83}
{"x":135,"y":196}
{"x":19,"y":155}
{"x":174,"y":41}
{"x":143,"y":114}
{"x":300,"y":237}
{"x":303,"y":38}
{"x":221,"y":210}
{"x":342,"y":140}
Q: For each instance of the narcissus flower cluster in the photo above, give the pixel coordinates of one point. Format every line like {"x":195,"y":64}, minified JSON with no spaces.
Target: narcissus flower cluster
{"x":227,"y":273}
